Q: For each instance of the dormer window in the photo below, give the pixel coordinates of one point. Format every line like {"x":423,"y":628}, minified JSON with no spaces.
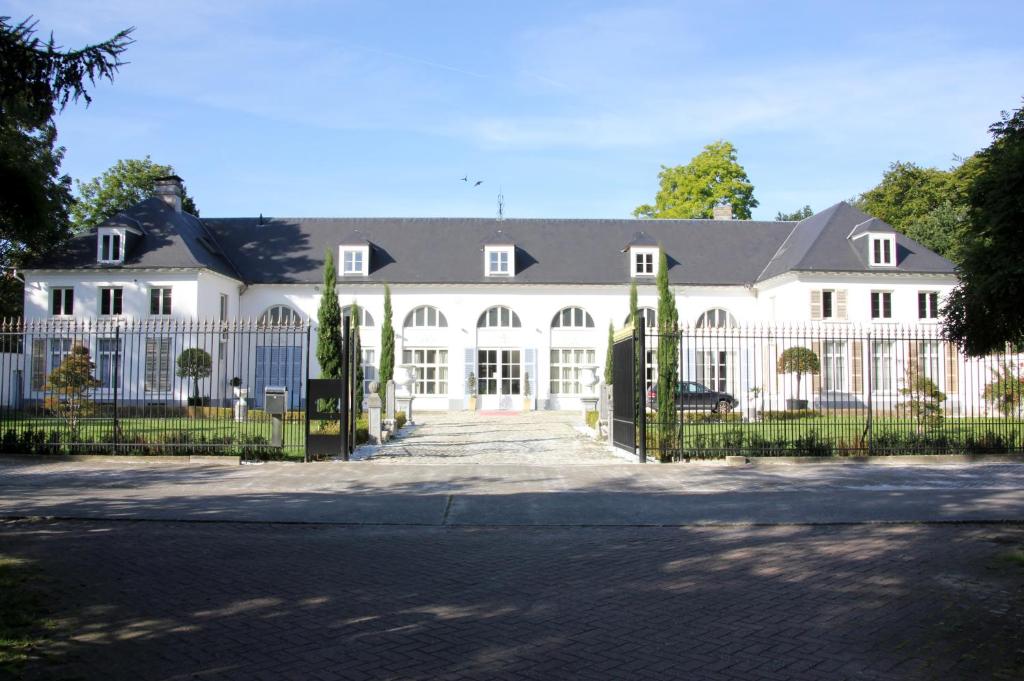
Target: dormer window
{"x":883,"y":251}
{"x":499,"y":261}
{"x":110,"y":244}
{"x":644,"y":262}
{"x":355,"y":261}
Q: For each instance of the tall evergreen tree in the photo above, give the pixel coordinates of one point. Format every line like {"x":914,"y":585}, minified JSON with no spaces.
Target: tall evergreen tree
{"x":387,"y":342}
{"x":328,"y":342}
{"x":639,"y":382}
{"x":357,"y":353}
{"x":608,"y":354}
{"x":668,"y":358}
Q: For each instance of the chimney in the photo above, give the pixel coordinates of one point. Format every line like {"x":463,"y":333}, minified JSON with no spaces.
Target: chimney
{"x":168,"y":189}
{"x":722,"y":212}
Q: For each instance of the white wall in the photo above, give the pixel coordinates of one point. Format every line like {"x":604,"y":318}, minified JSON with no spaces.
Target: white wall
{"x":136,"y":286}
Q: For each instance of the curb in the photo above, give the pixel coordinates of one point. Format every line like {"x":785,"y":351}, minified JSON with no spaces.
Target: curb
{"x":127,"y":459}
{"x":892,"y":460}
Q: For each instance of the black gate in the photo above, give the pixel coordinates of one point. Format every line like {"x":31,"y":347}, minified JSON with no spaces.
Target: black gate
{"x":629,"y":416}
{"x":330,"y":405}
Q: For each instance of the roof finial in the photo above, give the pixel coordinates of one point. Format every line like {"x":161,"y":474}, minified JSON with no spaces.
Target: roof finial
{"x":501,"y":205}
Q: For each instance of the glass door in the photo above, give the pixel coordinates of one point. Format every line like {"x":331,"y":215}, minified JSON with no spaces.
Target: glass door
{"x":499,"y":379}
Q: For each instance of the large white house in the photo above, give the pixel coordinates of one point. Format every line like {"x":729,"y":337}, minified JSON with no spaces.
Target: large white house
{"x":512,"y":301}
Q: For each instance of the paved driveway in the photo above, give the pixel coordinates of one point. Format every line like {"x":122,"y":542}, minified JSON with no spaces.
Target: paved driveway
{"x":539,"y":437}
{"x":180,"y":601}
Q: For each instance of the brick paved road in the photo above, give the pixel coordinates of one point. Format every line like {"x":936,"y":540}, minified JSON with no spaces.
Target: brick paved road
{"x":151,"y":600}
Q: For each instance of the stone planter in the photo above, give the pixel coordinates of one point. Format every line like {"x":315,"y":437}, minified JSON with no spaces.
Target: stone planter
{"x":471,"y":403}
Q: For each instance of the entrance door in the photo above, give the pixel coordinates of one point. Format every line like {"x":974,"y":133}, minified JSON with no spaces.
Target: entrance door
{"x":499,"y":384}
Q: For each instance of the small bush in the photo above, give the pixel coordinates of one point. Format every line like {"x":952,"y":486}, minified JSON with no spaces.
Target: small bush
{"x":794,"y":415}
{"x":400,"y":420}
{"x":711,"y":417}
{"x":592,"y":417}
{"x":812,"y":444}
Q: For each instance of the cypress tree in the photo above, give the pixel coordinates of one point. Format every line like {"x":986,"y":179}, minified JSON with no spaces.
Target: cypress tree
{"x":387,"y":343}
{"x":668,"y":360}
{"x":328,"y":341}
{"x":608,"y":354}
{"x":357,"y":353}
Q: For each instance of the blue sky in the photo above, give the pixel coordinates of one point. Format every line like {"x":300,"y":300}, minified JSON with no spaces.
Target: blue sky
{"x":377,"y":108}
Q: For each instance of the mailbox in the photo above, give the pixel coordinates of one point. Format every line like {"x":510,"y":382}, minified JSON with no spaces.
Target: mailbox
{"x":275,"y":400}
{"x":275,"y":403}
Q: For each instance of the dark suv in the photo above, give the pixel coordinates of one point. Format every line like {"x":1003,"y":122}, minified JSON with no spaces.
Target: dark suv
{"x":691,"y":395}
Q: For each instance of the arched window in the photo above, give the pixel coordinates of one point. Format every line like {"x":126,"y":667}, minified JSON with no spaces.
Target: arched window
{"x":648,"y":314}
{"x":346,"y":314}
{"x":426,"y":316}
{"x":498,"y":317}
{"x":573,"y":318}
{"x":716,"y":318}
{"x":279,"y":315}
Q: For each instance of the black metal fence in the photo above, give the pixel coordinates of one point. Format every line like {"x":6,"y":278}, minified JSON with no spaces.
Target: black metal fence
{"x":823,"y":389}
{"x":150,"y":387}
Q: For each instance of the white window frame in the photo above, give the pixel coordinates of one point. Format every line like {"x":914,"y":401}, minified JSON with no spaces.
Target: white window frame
{"x":567,"y":369}
{"x":107,"y":353}
{"x":164,"y":301}
{"x":883,"y":298}
{"x":66,"y":307}
{"x":835,"y":366}
{"x":115,"y":294}
{"x":431,"y":376}
{"x":354,"y":260}
{"x":425,"y":316}
{"x":828,"y":294}
{"x":110,"y":245}
{"x":929,"y":360}
{"x":643,"y":262}
{"x":931,"y":303}
{"x":572,"y":317}
{"x":500,"y":261}
{"x":880,"y":246}
{"x":883,"y":365}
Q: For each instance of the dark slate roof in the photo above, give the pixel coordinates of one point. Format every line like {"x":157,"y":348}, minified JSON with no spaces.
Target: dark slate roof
{"x":823,"y":243}
{"x":498,"y":238}
{"x":641,"y":239}
{"x":169,"y":240}
{"x":448,"y":250}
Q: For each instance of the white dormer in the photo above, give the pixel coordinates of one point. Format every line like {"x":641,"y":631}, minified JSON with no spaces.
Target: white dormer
{"x":643,"y":253}
{"x":110,"y":245}
{"x":354,"y":256}
{"x":499,"y":255}
{"x":877,"y":242}
{"x":500,"y":261}
{"x":883,"y":250}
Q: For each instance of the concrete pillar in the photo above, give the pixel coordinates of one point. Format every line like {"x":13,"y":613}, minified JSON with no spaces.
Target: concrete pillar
{"x":389,"y":401}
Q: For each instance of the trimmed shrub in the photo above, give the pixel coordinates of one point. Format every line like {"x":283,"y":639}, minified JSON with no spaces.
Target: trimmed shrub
{"x":794,"y":415}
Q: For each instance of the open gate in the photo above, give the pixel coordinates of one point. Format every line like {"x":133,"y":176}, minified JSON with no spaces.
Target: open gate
{"x":629,"y":416}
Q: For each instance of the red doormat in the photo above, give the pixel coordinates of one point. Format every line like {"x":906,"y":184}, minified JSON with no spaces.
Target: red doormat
{"x":499,"y":413}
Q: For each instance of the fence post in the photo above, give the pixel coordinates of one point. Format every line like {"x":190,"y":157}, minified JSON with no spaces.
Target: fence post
{"x":869,"y":426}
{"x":117,"y":379}
{"x":343,"y":426}
{"x":638,"y":346}
{"x":305,"y":387}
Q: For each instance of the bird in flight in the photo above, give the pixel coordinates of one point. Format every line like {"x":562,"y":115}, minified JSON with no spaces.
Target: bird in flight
{"x":478,"y":183}
{"x":465,"y":178}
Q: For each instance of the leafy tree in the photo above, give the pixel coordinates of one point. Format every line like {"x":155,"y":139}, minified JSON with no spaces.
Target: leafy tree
{"x":795,"y":216}
{"x":925,"y":398}
{"x":926,"y":204}
{"x":798,"y":360}
{"x":668,"y":357}
{"x":70,"y":385}
{"x":194,"y":363}
{"x":38,"y":79}
{"x":983,"y":312}
{"x":608,"y":354}
{"x":328,"y":340}
{"x":1006,"y":390}
{"x":357,"y":354}
{"x":711,"y":178}
{"x":387,"y":342}
{"x":120,"y":187}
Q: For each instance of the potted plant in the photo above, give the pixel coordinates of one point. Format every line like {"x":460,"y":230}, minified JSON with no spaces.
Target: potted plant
{"x":471,"y":389}
{"x":527,"y":399}
{"x":195,"y":364}
{"x":798,"y":360}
